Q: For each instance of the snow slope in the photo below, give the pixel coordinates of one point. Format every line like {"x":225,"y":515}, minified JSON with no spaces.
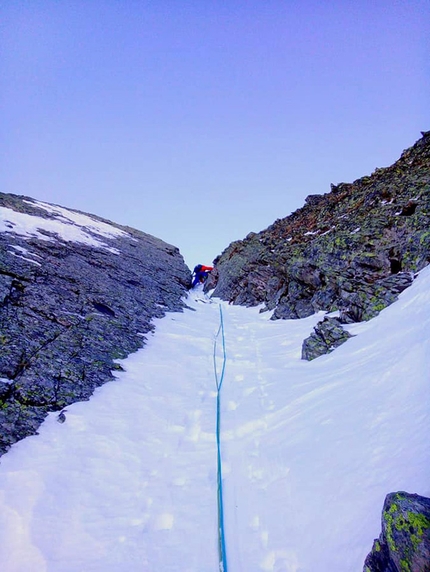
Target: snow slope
{"x":66,"y":224}
{"x":128,"y":482}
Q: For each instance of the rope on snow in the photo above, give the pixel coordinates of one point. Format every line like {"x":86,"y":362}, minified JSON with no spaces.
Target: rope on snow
{"x":219,"y":380}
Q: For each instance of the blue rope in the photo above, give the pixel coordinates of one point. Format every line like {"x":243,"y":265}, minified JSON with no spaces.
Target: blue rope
{"x":221,"y":533}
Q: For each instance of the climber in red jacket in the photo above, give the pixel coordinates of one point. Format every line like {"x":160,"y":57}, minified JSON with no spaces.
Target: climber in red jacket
{"x":200,"y":274}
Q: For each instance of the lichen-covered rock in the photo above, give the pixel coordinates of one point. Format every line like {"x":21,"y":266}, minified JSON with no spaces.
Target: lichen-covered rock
{"x":353,"y":249}
{"x":404,"y":543}
{"x":70,"y":307}
{"x":327,"y":336}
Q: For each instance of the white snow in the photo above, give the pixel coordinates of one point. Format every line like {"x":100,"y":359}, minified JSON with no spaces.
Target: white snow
{"x":24,"y":258}
{"x":24,"y":251}
{"x":80,"y":219}
{"x":68,"y":225}
{"x":310,"y":449}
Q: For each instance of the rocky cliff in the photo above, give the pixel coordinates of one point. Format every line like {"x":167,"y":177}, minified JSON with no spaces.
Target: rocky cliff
{"x":76,"y":293}
{"x":353,"y":249}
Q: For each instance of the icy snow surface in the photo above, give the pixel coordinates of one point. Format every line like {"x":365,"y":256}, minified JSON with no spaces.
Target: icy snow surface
{"x":68,"y":225}
{"x":310,"y":449}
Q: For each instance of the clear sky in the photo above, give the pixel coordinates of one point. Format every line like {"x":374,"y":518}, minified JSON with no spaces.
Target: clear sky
{"x":199,"y":121}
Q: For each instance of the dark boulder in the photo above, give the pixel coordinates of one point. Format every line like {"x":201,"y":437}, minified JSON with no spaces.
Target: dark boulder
{"x":327,"y":336}
{"x":404,"y":543}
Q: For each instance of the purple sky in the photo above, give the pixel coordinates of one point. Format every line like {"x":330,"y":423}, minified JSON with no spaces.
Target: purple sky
{"x":199,"y":121}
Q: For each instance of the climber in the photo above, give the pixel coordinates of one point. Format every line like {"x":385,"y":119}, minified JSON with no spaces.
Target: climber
{"x":200,"y":274}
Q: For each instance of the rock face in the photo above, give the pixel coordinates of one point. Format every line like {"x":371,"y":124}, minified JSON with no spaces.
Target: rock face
{"x":353,"y":249}
{"x":327,"y":336}
{"x":76,"y":293}
{"x":404,"y":543}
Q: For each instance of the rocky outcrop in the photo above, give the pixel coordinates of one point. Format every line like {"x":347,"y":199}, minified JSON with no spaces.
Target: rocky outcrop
{"x":404,"y":543}
{"x":327,"y":336}
{"x":76,"y":293}
{"x":353,"y":249}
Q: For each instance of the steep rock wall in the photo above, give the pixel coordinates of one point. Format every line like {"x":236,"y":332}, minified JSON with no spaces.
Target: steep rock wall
{"x":76,"y":293}
{"x":353,"y":249}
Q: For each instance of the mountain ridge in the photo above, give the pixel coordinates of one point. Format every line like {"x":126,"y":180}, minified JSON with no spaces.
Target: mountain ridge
{"x":77,"y":292}
{"x":353,"y":249}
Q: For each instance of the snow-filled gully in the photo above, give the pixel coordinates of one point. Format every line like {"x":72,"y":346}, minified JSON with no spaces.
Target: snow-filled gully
{"x":129,"y":481}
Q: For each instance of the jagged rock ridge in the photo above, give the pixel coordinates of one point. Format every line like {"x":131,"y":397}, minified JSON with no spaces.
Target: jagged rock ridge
{"x":353,"y":249}
{"x":76,"y":293}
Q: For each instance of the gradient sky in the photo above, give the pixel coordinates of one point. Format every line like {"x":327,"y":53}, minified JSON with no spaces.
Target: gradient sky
{"x":199,"y":121}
